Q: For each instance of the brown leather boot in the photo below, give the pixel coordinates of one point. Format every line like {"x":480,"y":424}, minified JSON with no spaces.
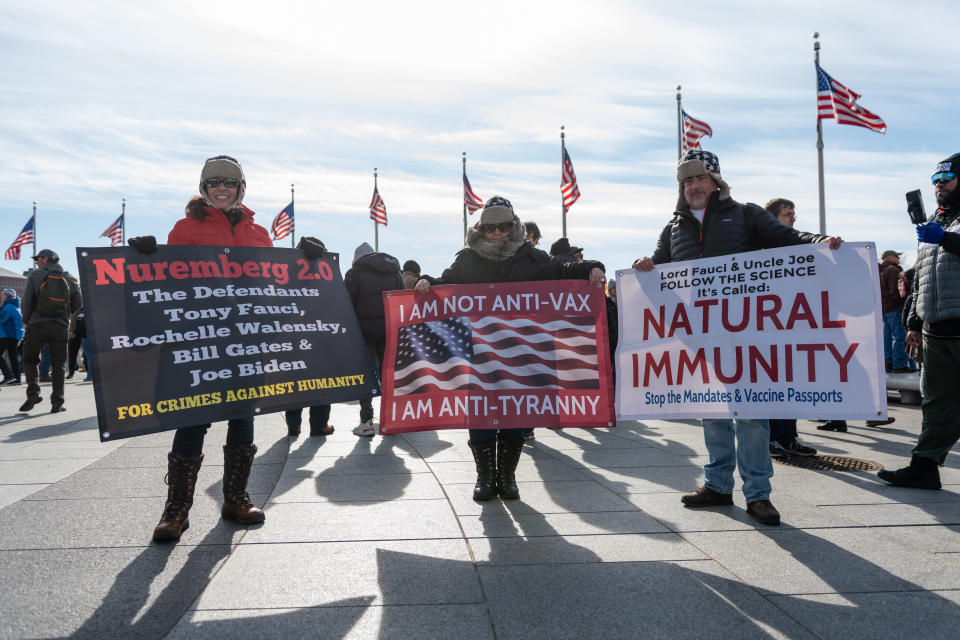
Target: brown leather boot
{"x":237,"y":460}
{"x":706,"y":497}
{"x":764,"y":511}
{"x":182,"y":478}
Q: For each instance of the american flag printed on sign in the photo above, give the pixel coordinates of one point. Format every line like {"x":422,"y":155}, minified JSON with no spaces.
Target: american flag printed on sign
{"x":25,"y":238}
{"x":693,"y":130}
{"x":470,"y":199}
{"x":378,"y":210}
{"x":283,"y":223}
{"x":489,"y":353}
{"x":840,"y":103}
{"x":114,"y":232}
{"x":568,"y":182}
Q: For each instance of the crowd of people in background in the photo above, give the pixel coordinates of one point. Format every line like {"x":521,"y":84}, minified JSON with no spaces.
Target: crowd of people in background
{"x":920,"y":310}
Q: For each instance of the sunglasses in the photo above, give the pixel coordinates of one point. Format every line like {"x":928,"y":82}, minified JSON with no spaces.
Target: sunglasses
{"x":503,"y":227}
{"x":943,"y":176}
{"x":229,"y":183}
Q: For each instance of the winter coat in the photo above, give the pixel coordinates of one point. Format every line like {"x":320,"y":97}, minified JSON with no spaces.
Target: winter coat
{"x":728,"y":227}
{"x":11,"y":322}
{"x":890,"y":299}
{"x":30,"y":291}
{"x":471,"y":266}
{"x":366,"y":281}
{"x":215,"y":229}
{"x":936,"y":298}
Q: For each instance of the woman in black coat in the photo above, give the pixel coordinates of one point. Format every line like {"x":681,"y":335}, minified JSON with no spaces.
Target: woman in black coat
{"x":497,"y":251}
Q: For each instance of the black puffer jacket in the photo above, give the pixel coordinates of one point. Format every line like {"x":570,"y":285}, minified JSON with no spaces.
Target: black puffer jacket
{"x":528,"y":263}
{"x":728,"y":227}
{"x":369,"y":277}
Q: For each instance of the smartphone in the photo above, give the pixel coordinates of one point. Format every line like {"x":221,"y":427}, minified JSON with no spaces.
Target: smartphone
{"x":915,"y":207}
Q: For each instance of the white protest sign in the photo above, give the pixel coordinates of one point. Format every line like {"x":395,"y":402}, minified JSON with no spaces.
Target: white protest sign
{"x":793,"y":332}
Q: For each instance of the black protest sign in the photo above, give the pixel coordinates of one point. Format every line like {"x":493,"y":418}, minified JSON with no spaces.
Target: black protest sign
{"x":191,"y":335}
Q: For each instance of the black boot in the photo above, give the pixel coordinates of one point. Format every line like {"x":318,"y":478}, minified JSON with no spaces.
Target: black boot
{"x":237,"y":460}
{"x":508,"y":456}
{"x":485,"y":456}
{"x":921,"y":474}
{"x":182,"y":478}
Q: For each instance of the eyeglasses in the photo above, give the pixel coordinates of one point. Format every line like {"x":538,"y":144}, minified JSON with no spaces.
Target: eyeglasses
{"x":943,"y":176}
{"x":504,"y":227}
{"x":213,"y":183}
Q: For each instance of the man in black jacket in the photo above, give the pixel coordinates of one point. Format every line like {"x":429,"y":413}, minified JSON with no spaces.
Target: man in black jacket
{"x":709,"y":223}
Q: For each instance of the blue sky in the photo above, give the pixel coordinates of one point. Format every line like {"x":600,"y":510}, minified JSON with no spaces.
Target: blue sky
{"x":108,"y":100}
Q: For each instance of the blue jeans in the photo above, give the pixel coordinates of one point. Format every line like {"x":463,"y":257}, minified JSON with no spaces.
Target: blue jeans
{"x":86,"y":359}
{"x":894,"y":349}
{"x":189,"y":440}
{"x":742,"y":444}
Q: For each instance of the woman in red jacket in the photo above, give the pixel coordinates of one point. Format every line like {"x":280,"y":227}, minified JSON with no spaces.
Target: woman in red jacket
{"x":215,"y":217}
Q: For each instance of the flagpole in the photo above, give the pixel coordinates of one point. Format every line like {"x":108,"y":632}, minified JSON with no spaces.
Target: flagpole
{"x":123,"y":221}
{"x":563,"y":158}
{"x":823,"y":207}
{"x":293,"y":231}
{"x":376,"y":231}
{"x":34,"y":228}
{"x":679,"y":127}
{"x":464,"y":199}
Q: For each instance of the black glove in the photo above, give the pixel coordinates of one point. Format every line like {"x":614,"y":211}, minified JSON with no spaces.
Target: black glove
{"x":145,"y":245}
{"x":311,"y":247}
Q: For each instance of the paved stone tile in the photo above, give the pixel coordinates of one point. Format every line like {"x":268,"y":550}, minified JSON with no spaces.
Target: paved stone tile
{"x":692,"y":599}
{"x":310,"y":447}
{"x":358,"y":488}
{"x":40,"y":471}
{"x":353,"y":618}
{"x":356,"y":465}
{"x":562,"y":439}
{"x":10,"y":493}
{"x":460,"y":452}
{"x":794,"y":513}
{"x":877,"y":616}
{"x":649,"y":479}
{"x":338,"y":521}
{"x":140,"y":482}
{"x":316,"y":574}
{"x":55,"y":450}
{"x":564,"y":524}
{"x":130,"y":457}
{"x":832,"y":488}
{"x":900,"y":514}
{"x":932,"y":538}
{"x":542,"y":550}
{"x":529,"y":469}
{"x":825,"y":560}
{"x":610,"y":458}
{"x":94,"y":594}
{"x":541,"y":497}
{"x":113,"y":522}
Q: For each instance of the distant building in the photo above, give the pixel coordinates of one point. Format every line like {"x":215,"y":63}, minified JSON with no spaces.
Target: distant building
{"x":11,"y":280}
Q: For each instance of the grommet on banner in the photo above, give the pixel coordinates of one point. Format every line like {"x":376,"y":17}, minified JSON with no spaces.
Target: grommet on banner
{"x":256,"y":409}
{"x":106,"y":434}
{"x":226,"y":249}
{"x":609,"y":424}
{"x":496,"y":422}
{"x":83,"y":253}
{"x":491,"y":286}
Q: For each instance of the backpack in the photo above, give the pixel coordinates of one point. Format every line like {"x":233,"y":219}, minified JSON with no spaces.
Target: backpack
{"x":53,"y":298}
{"x":903,"y":285}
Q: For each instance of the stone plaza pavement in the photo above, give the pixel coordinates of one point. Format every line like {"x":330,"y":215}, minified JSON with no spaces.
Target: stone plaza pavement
{"x":379,"y":538}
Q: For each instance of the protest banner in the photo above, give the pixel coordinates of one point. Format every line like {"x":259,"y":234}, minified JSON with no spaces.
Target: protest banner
{"x":191,"y":335}
{"x":497,"y":356}
{"x":793,"y":332}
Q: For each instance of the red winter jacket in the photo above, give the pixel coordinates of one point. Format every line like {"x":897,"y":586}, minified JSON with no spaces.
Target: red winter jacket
{"x":215,"y":230}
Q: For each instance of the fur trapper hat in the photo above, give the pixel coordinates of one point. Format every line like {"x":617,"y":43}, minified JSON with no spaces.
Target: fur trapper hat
{"x":698,"y":162}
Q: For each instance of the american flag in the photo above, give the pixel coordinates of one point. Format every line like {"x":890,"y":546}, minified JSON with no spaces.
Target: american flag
{"x":693,"y":130}
{"x":470,"y":199}
{"x":474,"y":352}
{"x":378,"y":210}
{"x":114,"y":232}
{"x":283,"y":223}
{"x":568,"y":182}
{"x":840,"y":103}
{"x":25,"y":238}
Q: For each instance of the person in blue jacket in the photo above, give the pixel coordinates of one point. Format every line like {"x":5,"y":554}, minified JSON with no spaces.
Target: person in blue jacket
{"x":11,"y":333}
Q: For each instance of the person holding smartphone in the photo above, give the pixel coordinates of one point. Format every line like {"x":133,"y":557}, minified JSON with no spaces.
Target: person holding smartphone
{"x":933,"y":324}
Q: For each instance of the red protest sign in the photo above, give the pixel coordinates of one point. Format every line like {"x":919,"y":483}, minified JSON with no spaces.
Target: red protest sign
{"x":497,"y":356}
